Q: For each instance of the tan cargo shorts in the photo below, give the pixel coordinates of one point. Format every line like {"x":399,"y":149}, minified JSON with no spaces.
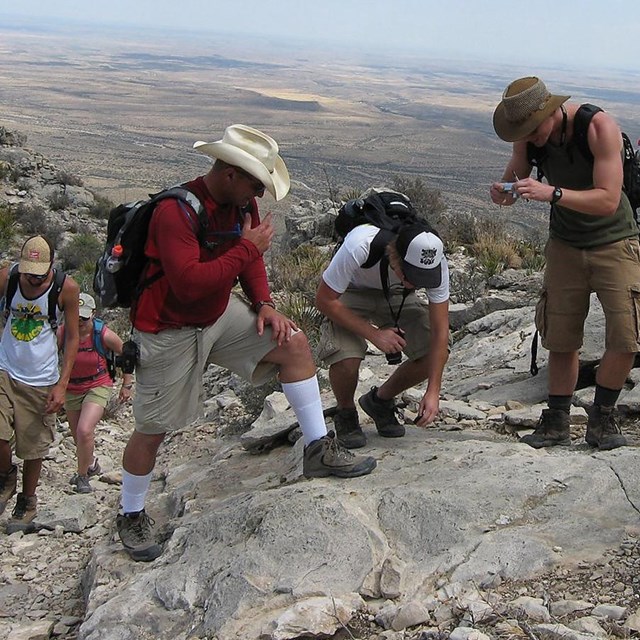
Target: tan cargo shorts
{"x":97,"y":395}
{"x":22,"y":413}
{"x":337,"y":344}
{"x":169,"y":391}
{"x":612,"y":271}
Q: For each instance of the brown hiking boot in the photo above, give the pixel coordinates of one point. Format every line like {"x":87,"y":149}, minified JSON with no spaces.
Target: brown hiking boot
{"x":136,"y":534}
{"x":23,"y":514}
{"x":552,"y":430}
{"x":383,"y":413}
{"x":327,"y":457}
{"x":8,"y":483}
{"x":603,"y":430}
{"x":348,"y":429}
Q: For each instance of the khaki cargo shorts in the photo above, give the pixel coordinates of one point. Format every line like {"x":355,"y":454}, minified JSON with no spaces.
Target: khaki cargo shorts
{"x":612,"y":271}
{"x":169,"y":391}
{"x":97,"y":395}
{"x":337,"y":344}
{"x":22,"y":412}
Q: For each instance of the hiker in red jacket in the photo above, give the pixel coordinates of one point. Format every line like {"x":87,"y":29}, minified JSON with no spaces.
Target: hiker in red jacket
{"x":189,"y":318}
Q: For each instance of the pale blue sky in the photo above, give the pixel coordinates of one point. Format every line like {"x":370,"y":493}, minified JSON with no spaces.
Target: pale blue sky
{"x":576,"y":33}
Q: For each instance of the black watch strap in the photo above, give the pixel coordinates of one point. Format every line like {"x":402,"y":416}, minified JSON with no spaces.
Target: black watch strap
{"x":557,"y":194}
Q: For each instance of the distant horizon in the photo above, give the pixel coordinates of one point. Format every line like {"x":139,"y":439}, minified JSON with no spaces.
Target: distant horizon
{"x":444,"y":36}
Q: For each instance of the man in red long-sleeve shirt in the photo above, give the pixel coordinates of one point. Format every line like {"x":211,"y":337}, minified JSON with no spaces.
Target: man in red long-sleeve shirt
{"x":189,"y":318}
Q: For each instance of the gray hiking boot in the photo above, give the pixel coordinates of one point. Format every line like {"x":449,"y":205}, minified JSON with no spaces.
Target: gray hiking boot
{"x":95,"y":469}
{"x":327,"y":457}
{"x":81,"y":484}
{"x":603,"y":430}
{"x":383,"y":413}
{"x":348,"y":429}
{"x":552,"y":430}
{"x":8,"y":483}
{"x":23,"y":514}
{"x":136,"y":534}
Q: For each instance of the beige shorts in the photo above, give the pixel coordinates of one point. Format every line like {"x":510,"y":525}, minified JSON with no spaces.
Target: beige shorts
{"x":337,"y":344}
{"x":98,"y":395}
{"x":22,"y":413}
{"x":612,"y":271}
{"x":169,"y":392}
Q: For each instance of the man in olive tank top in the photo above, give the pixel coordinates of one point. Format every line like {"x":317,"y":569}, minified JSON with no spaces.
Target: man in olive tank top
{"x":592,"y":247}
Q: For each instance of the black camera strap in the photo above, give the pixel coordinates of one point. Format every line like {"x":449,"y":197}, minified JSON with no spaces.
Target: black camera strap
{"x":384,"y":277}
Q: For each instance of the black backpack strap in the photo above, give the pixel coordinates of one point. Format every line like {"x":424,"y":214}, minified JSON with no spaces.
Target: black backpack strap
{"x":377,"y":248}
{"x":535,"y":157}
{"x":581,"y":122}
{"x":54,"y":293}
{"x":533,"y":368}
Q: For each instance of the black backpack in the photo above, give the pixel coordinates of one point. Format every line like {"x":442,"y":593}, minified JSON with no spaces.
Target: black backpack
{"x":387,"y":210}
{"x":630,"y":165}
{"x":119,"y":273}
{"x":52,"y":299}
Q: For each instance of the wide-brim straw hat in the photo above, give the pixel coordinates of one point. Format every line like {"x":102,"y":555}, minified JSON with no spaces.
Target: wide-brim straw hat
{"x":526,"y":103}
{"x":253,"y":151}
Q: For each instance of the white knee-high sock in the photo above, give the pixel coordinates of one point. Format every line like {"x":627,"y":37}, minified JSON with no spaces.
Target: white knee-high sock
{"x":134,"y":491}
{"x":304,"y":398}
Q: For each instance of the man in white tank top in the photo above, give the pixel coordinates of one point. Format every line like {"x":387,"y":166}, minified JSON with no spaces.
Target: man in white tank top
{"x":32,"y":385}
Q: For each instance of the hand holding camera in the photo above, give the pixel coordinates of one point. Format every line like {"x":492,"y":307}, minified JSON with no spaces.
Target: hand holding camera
{"x":128,"y":359}
{"x":396,"y":357}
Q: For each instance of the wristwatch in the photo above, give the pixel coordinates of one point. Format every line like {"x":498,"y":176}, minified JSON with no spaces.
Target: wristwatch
{"x":258,"y":305}
{"x":557,"y":194}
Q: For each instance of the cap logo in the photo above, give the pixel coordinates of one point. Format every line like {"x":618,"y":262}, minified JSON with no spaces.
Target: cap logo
{"x":34,"y":254}
{"x":428,"y":256}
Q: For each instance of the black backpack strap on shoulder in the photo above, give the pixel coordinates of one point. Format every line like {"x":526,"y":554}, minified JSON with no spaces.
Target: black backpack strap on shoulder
{"x":54,"y":293}
{"x":581,"y":122}
{"x":378,"y":248}
{"x":535,"y":157}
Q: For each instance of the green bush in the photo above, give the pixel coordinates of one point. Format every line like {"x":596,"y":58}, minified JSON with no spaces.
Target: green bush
{"x":101,"y":207}
{"x":7,"y":227}
{"x":59,"y":201}
{"x":81,"y":253}
{"x":34,"y":221}
{"x":65,"y":178}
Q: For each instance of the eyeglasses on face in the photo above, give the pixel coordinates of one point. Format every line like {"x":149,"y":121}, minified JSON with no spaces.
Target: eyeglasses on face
{"x":37,"y":278}
{"x":258,"y":187}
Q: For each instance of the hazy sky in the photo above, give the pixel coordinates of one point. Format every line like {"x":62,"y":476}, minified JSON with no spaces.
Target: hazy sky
{"x":580,"y":33}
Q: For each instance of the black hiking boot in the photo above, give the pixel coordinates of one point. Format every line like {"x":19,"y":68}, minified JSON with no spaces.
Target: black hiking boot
{"x":348,"y":429}
{"x":23,"y":514}
{"x":603,"y":430}
{"x":552,"y":430}
{"x":327,"y":457}
{"x":383,"y":413}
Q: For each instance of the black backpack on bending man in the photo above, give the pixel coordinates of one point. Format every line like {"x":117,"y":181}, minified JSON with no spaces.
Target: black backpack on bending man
{"x":390,"y":211}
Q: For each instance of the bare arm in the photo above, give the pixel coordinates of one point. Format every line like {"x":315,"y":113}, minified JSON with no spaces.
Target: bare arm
{"x":114,"y":342}
{"x":69,"y":301}
{"x":438,"y":356}
{"x":517,"y":168}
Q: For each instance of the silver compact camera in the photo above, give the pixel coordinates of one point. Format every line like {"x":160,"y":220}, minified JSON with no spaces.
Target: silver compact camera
{"x":510,"y":188}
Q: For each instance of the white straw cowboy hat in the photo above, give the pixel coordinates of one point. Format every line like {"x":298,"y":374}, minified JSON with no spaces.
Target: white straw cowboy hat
{"x":525,"y":104}
{"x":253,"y":151}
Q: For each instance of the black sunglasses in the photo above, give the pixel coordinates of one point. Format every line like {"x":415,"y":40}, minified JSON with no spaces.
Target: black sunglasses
{"x":257,"y":185}
{"x":37,"y":278}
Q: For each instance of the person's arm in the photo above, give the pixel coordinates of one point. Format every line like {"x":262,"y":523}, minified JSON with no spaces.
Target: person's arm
{"x":605,"y":142}
{"x":438,"y":356}
{"x":113,"y":342}
{"x":328,"y":302}
{"x":68,"y":300}
{"x":190,"y":279}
